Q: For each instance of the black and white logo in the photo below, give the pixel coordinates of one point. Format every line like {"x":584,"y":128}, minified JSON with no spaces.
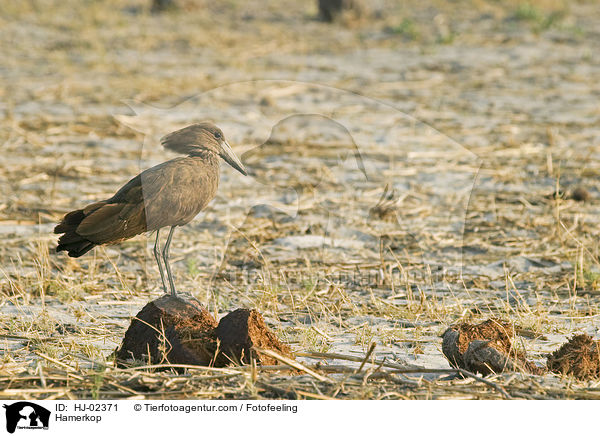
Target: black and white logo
{"x":26,"y":415}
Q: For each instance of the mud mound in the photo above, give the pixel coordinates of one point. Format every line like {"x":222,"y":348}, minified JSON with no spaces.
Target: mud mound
{"x":485,"y":348}
{"x":171,"y":330}
{"x":241,"y":332}
{"x":579,"y":357}
{"x":167,"y":330}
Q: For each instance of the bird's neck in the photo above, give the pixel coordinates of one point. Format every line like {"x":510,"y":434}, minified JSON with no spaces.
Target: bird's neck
{"x":206,"y":155}
{"x":205,"y":158}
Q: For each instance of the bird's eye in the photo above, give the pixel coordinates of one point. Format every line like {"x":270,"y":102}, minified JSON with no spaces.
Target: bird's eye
{"x":218,"y":135}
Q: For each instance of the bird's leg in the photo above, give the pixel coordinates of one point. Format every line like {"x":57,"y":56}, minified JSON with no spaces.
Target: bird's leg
{"x":157,"y":257}
{"x":165,"y":254}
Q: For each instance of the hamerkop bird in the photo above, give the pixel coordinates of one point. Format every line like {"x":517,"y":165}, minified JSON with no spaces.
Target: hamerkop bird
{"x":167,"y":195}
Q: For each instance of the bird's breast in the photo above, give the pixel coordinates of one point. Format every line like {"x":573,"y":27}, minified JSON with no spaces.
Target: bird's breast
{"x":187,"y":189}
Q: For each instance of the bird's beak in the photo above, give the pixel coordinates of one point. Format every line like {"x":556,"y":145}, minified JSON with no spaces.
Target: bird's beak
{"x":230,"y":157}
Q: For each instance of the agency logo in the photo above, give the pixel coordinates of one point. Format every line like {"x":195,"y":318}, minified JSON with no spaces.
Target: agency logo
{"x":26,"y":415}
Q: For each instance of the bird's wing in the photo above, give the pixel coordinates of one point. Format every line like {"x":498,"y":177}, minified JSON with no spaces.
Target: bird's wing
{"x":124,"y":215}
{"x":149,"y":201}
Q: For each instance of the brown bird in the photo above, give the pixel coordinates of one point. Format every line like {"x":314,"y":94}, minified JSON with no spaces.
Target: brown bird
{"x":170,"y":194}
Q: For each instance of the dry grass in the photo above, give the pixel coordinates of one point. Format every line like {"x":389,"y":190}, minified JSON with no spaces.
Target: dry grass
{"x":472,"y":229}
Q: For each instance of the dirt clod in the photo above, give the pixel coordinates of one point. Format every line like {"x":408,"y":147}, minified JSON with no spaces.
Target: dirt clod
{"x":170,"y":330}
{"x":579,"y":357}
{"x":176,"y":331}
{"x":243,"y":330}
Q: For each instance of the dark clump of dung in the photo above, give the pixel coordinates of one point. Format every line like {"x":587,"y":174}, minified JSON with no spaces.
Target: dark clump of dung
{"x":482,"y":357}
{"x":171,"y":330}
{"x":458,"y":337}
{"x":580,"y":194}
{"x":579,"y":357}
{"x":485,"y":348}
{"x":162,"y":5}
{"x":243,"y":331}
{"x":333,"y":10}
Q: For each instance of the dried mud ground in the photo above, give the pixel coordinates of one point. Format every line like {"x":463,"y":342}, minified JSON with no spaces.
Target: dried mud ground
{"x":402,"y":178}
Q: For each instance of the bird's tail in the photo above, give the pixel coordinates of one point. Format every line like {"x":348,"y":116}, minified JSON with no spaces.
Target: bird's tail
{"x":71,"y":242}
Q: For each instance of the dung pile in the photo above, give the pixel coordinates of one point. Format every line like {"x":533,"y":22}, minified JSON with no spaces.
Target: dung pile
{"x":579,"y":357}
{"x":334,"y":10}
{"x":171,"y":330}
{"x":485,"y":348}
